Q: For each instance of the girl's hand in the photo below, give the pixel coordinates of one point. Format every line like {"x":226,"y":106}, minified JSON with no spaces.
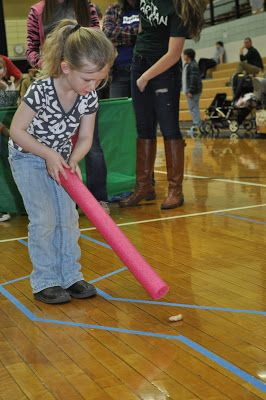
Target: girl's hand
{"x":55,"y":165}
{"x":74,"y":167}
{"x":142,"y":83}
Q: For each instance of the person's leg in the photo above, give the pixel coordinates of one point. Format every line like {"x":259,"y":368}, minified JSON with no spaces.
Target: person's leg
{"x":120,"y":84}
{"x":37,"y":188}
{"x":251,"y":69}
{"x":67,"y":247}
{"x":166,"y":96}
{"x":204,"y":65}
{"x":193,"y":105}
{"x":240,"y":67}
{"x":146,"y":142}
{"x":96,"y":167}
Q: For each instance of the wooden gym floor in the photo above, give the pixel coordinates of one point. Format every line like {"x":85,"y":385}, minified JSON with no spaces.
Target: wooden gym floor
{"x":120,"y":345}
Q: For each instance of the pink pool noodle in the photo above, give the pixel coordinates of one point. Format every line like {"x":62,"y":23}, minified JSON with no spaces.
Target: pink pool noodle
{"x":125,"y":250}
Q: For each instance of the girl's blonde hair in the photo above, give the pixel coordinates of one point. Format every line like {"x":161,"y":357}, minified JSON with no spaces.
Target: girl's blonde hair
{"x":191,"y":13}
{"x":76,"y":45}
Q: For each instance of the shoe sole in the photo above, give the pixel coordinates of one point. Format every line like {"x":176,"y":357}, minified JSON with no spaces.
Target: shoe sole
{"x":172,"y":206}
{"x":52,"y":301}
{"x":149,"y":198}
{"x":4,"y":219}
{"x":84,"y":295}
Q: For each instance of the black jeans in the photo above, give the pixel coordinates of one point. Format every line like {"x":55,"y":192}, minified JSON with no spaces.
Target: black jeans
{"x":121,"y":83}
{"x":205,"y":64}
{"x":159,"y":103}
{"x":96,"y":168}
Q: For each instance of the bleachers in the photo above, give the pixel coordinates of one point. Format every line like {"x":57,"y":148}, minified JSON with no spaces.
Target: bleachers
{"x":220,"y":75}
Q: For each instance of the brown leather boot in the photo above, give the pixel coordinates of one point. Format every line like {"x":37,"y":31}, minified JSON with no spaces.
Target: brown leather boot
{"x":144,"y":190}
{"x":174,"y":153}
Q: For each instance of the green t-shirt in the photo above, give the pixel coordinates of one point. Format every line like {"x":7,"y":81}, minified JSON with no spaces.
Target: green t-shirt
{"x":159,"y":22}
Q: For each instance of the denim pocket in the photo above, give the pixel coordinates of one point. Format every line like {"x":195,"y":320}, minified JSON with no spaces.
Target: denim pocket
{"x":15,"y":154}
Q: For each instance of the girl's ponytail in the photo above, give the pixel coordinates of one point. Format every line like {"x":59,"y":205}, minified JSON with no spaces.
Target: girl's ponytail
{"x":76,"y":45}
{"x":53,"y":49}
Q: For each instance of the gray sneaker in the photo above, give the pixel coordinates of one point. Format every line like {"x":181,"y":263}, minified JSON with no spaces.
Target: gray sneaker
{"x":4,"y":217}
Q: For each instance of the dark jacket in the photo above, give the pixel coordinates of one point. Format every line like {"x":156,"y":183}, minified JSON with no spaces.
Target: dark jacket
{"x":194,"y":83}
{"x":253,"y":57}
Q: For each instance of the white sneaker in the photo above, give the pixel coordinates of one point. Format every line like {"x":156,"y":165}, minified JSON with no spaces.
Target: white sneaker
{"x":105,"y":206}
{"x":4,"y":217}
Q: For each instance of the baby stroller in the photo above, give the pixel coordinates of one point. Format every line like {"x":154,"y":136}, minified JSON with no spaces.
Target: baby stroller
{"x":220,"y":115}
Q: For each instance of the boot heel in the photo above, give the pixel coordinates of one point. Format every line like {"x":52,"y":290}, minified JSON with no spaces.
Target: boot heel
{"x":150,"y":197}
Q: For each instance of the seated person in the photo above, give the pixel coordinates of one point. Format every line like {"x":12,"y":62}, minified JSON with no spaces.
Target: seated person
{"x":218,"y":58}
{"x":12,"y":71}
{"x":5,"y":82}
{"x":250,"y":63}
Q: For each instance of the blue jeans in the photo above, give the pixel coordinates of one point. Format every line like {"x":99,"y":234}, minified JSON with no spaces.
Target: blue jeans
{"x":193,"y":105}
{"x":159,"y":103}
{"x":53,"y":224}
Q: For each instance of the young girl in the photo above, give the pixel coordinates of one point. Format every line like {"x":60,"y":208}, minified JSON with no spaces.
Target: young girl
{"x":75,"y":61}
{"x":156,"y":83}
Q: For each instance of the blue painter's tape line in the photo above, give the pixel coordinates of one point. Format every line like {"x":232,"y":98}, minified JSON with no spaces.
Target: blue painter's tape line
{"x":108,"y":275}
{"x":253,"y":221}
{"x":96,"y":241}
{"x":81,"y":235}
{"x":196,"y":347}
{"x":223,"y":363}
{"x":18,"y":304}
{"x":111,"y":329}
{"x":23,"y":242}
{"x":190,"y":306}
{"x":15,"y":280}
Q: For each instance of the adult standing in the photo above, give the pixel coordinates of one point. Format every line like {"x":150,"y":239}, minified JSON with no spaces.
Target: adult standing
{"x":156,"y":85}
{"x":121,"y":25}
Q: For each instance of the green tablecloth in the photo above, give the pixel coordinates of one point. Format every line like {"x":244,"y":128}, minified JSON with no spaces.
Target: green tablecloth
{"x":118,"y":138}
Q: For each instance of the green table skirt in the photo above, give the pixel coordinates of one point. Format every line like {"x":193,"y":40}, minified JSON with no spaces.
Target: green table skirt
{"x":117,"y":129}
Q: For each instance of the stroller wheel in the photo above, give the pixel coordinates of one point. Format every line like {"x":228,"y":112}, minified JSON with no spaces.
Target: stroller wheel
{"x":233,"y":126}
{"x":206,"y":128}
{"x":248,"y":125}
{"x":234,"y":136}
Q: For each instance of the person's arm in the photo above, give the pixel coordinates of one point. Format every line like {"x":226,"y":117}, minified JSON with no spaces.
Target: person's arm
{"x":94,"y":21}
{"x":242,"y":56}
{"x":83,"y":143}
{"x":172,"y":56}
{"x":194,"y":79}
{"x":18,"y":133}
{"x":113,"y":29}
{"x":33,"y":39}
{"x":222,"y":56}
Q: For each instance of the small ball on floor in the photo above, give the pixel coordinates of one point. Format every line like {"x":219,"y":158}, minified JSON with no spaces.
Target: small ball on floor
{"x":176,"y":318}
